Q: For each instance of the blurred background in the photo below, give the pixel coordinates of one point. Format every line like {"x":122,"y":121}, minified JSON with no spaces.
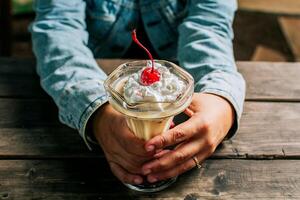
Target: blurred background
{"x":265,"y":30}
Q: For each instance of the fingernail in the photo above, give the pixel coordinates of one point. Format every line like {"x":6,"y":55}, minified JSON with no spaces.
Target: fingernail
{"x":146,"y":171}
{"x":137,"y":181}
{"x":152,"y":179}
{"x":172,"y":125}
{"x":150,"y":148}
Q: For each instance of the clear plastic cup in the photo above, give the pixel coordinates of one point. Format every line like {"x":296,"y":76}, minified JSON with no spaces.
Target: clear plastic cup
{"x":148,"y":119}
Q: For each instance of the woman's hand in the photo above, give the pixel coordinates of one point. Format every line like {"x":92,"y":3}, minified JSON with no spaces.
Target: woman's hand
{"x":124,"y":152}
{"x":211,"y":117}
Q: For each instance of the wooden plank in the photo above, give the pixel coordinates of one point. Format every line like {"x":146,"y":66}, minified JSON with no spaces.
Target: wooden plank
{"x":18,"y":78}
{"x":30,"y":128}
{"x":28,"y":113}
{"x":267,"y":130}
{"x":289,"y":7}
{"x":24,"y":66}
{"x":290,"y":27}
{"x":92,"y":179}
{"x":20,"y":86}
{"x":43,"y":142}
{"x":263,"y":53}
{"x":265,"y":80}
{"x":271,"y":81}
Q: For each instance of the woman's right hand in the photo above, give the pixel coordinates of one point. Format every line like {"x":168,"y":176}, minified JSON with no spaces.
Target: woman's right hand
{"x":124,"y":152}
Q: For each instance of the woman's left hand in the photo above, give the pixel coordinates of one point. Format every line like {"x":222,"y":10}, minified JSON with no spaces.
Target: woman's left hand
{"x":211,"y":117}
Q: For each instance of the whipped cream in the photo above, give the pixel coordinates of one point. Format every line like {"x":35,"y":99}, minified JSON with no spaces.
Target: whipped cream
{"x":167,"y":89}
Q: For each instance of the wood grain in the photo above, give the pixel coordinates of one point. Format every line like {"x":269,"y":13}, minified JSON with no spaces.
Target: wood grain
{"x":28,"y":113}
{"x":18,"y":79}
{"x":43,"y":142}
{"x":267,"y":130}
{"x":42,"y":159}
{"x":290,"y":27}
{"x":289,"y":7}
{"x":92,"y":179}
{"x":271,"y":81}
{"x":21,"y":86}
{"x":265,"y":80}
{"x":22,"y":66}
{"x":263,"y":53}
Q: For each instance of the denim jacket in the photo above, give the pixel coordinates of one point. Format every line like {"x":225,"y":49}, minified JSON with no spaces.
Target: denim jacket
{"x":68,"y":35}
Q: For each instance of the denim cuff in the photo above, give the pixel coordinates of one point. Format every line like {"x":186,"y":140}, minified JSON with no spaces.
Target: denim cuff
{"x":78,"y":102}
{"x":82,"y":126}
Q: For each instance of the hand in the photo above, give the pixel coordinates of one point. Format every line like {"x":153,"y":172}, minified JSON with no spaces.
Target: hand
{"x":124,"y":152}
{"x":211,"y":117}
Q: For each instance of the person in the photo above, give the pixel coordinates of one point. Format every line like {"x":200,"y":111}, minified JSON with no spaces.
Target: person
{"x":67,"y":37}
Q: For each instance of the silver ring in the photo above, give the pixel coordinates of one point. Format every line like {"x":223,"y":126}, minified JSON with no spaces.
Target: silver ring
{"x":198,"y":165}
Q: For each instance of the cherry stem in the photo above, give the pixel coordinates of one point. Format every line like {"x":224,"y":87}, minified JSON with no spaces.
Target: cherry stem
{"x":134,"y":38}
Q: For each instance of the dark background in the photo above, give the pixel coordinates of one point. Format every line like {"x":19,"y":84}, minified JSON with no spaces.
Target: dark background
{"x":258,"y":34}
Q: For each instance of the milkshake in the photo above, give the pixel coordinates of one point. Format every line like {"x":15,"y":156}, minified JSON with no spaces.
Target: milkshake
{"x":149,"y":93}
{"x":149,"y":110}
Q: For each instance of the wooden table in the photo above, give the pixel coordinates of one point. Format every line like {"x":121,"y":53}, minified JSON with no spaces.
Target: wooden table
{"x":43,"y":159}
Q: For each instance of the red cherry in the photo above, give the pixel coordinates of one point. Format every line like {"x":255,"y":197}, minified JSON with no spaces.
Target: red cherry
{"x":149,"y":76}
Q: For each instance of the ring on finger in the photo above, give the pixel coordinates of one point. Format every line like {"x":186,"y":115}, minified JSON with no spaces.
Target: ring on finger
{"x":197,"y":163}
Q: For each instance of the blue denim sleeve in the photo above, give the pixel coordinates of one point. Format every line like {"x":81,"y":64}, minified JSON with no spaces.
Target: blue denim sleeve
{"x":66,"y":66}
{"x":205,"y":50}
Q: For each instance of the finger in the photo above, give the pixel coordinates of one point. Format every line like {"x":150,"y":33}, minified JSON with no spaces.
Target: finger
{"x":181,"y":132}
{"x":129,"y":164}
{"x":124,"y":176}
{"x":172,"y":125}
{"x":156,"y":156}
{"x":189,"y":112}
{"x":171,"y":159}
{"x":179,"y":169}
{"x":161,"y":153}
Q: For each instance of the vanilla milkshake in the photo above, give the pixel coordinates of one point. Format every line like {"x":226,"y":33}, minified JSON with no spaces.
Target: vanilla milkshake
{"x":149,"y":109}
{"x":149,"y":94}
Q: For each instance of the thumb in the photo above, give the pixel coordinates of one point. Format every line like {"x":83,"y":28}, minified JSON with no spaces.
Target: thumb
{"x":177,"y":134}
